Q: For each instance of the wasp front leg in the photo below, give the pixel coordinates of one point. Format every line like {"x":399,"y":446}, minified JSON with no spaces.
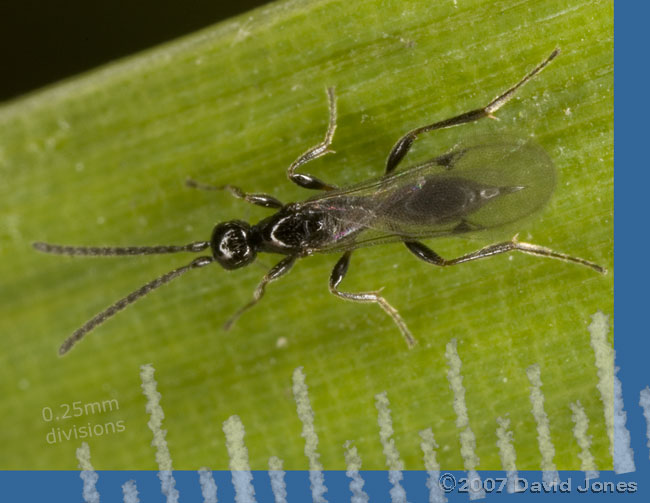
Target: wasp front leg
{"x":258,"y":199}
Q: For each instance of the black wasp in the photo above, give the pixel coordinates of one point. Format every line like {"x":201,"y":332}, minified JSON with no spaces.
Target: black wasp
{"x":470,"y":188}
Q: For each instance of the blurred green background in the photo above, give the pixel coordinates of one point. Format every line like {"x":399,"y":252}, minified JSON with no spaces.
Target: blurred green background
{"x":61,"y":39}
{"x":102,"y":159}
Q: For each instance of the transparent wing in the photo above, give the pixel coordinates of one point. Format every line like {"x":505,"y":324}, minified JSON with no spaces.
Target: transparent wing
{"x":486,"y":184}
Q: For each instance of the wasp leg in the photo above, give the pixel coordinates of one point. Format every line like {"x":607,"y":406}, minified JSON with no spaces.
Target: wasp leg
{"x":279,"y":269}
{"x":310,"y":181}
{"x":428,"y":255}
{"x":403,"y":145}
{"x":338,"y":273}
{"x":264,"y":200}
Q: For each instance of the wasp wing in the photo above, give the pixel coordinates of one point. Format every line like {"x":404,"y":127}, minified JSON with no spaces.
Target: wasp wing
{"x":472,"y":187}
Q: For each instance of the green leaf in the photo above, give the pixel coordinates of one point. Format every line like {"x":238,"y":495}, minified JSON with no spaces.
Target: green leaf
{"x":102,"y":159}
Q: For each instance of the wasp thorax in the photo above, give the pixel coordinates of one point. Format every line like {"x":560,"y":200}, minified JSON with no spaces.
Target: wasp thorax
{"x":231,"y":245}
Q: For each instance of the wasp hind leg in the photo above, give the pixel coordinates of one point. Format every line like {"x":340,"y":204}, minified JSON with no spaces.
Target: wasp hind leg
{"x":403,"y":145}
{"x":428,"y":255}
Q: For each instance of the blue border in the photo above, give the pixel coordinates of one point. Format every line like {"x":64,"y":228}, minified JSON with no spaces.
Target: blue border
{"x":631,"y":180}
{"x":54,"y":486}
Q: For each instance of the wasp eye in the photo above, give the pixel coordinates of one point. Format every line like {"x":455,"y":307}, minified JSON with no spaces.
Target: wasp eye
{"x":231,"y":245}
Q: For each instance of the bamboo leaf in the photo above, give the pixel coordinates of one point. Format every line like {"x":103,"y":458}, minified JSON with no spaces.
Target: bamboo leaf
{"x":102,"y":159}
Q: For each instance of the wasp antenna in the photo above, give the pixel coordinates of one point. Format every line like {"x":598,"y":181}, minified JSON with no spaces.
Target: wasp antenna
{"x":119,"y":250}
{"x":129,"y":299}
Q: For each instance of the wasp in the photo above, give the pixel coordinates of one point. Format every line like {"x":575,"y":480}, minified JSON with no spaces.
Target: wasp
{"x":470,"y":188}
